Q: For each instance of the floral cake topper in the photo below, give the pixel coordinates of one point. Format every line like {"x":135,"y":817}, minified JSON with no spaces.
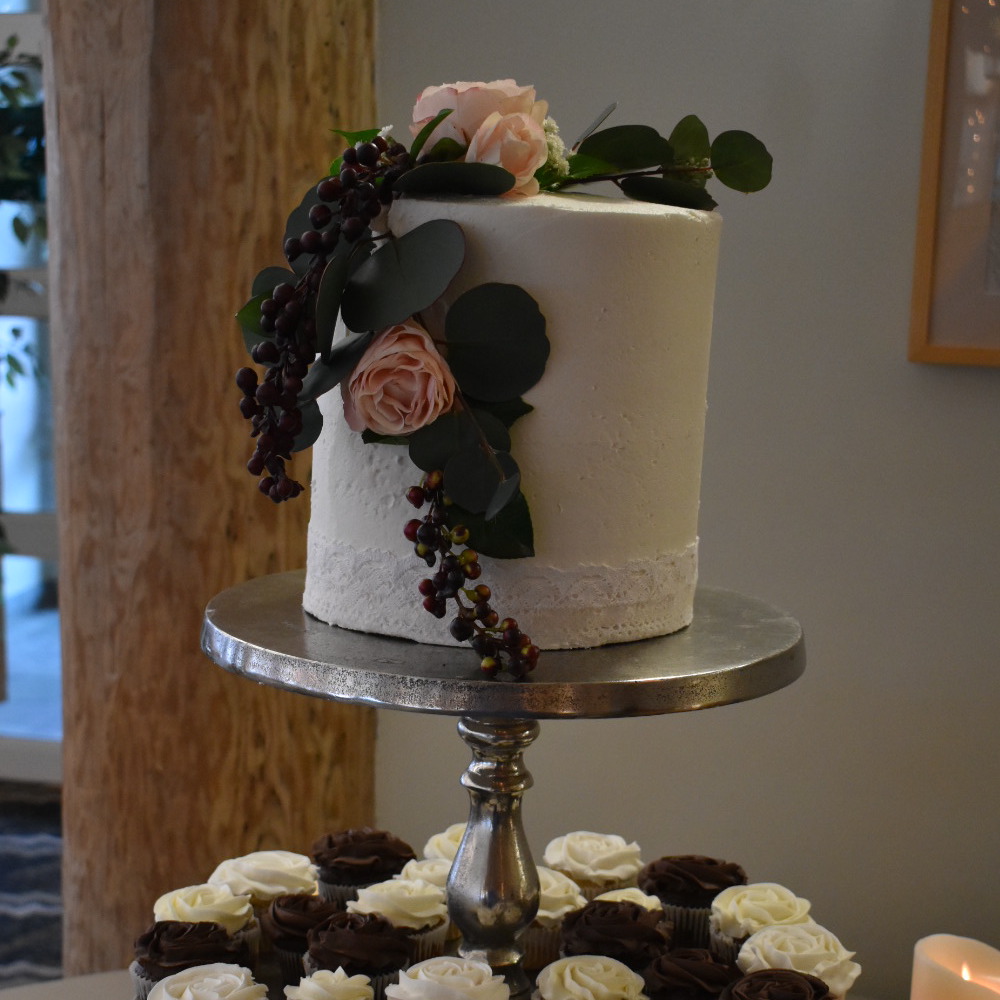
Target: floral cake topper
{"x":449,"y":397}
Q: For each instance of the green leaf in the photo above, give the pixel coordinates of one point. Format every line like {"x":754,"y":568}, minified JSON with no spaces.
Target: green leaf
{"x":298,"y":223}
{"x":331,"y":290}
{"x":689,"y":140}
{"x":352,"y":138}
{"x":480,"y":480}
{"x":330,"y":372}
{"x":445,"y":150}
{"x":249,"y":320}
{"x":506,"y":411}
{"x":497,"y":347}
{"x":312,"y":425}
{"x":485,"y":179}
{"x":741,"y":161}
{"x":266,"y":281}
{"x":432,"y":446}
{"x":668,"y":191}
{"x":370,"y":437}
{"x":507,"y":536}
{"x":628,"y":147}
{"x":582,"y":166}
{"x":424,"y":133}
{"x":404,"y":276}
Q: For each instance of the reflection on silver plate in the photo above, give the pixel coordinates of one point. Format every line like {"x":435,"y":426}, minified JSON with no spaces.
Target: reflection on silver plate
{"x":737,"y":648}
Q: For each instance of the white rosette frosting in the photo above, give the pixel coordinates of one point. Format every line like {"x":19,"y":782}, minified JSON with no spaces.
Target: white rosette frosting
{"x":632,"y":894}
{"x":210,"y":982}
{"x":446,"y":978}
{"x":433,"y":870}
{"x":327,"y":985}
{"x":262,"y":875}
{"x":216,"y":904}
{"x":594,"y":860}
{"x":804,"y":947}
{"x":742,"y":910}
{"x":445,"y":844}
{"x":588,"y":977}
{"x":558,"y":895}
{"x":404,"y":902}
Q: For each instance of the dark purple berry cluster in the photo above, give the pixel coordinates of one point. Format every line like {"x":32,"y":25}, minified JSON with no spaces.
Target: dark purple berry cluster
{"x":499,"y":643}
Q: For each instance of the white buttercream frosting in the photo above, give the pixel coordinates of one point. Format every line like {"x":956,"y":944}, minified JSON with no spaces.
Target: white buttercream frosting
{"x":266,"y":874}
{"x":209,"y":982}
{"x":804,"y":947}
{"x":448,"y":978}
{"x":433,"y":870}
{"x":404,"y":902}
{"x":594,"y":858}
{"x":631,"y":894}
{"x":445,"y":844}
{"x":742,"y":910}
{"x":216,"y":904}
{"x":588,"y":977}
{"x":326,"y":985}
{"x":558,"y":895}
{"x":627,"y":291}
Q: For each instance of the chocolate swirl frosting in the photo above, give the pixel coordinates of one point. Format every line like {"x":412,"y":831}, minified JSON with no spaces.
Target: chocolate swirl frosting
{"x":624,"y":931}
{"x":360,"y":856}
{"x":689,"y":879}
{"x":170,"y":946}
{"x":687,"y":974}
{"x":777,"y":984}
{"x":289,"y":918}
{"x":360,"y":943}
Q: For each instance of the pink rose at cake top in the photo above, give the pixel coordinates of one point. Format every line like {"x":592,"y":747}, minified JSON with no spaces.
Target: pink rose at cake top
{"x":432,"y":284}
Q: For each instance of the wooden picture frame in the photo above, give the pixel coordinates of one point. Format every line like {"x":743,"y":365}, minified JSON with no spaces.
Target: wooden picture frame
{"x":955,"y":315}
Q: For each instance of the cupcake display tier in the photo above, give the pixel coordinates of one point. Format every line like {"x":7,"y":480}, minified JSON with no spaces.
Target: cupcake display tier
{"x":737,"y":648}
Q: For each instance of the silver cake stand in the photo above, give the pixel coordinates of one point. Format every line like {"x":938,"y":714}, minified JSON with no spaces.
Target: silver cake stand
{"x":737,"y":648}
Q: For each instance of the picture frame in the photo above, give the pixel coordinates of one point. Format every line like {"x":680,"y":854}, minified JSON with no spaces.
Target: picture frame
{"x":955,"y":310}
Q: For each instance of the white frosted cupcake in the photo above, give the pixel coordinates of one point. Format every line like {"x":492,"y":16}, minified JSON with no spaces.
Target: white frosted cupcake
{"x":588,"y":977}
{"x":445,"y":844}
{"x":216,"y":904}
{"x":414,"y":905}
{"x":632,"y":894}
{"x":597,"y":862}
{"x":433,"y":870}
{"x":263,"y":875}
{"x":802,"y":947}
{"x":742,"y":910}
{"x":210,"y":982}
{"x":331,"y":985}
{"x":558,"y":895}
{"x":446,"y":978}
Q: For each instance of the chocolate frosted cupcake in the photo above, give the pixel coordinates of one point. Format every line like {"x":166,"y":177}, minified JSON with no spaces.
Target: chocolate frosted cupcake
{"x":686,"y":884}
{"x":687,"y":974}
{"x":285,"y":924}
{"x":171,"y":946}
{"x":361,"y":944}
{"x":627,"y":932}
{"x":777,"y":984}
{"x":350,"y":859}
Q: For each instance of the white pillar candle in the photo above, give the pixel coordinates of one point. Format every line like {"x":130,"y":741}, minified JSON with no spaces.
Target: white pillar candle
{"x":946,"y":967}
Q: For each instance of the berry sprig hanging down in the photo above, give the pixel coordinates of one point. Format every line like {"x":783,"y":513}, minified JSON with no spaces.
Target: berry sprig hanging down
{"x":499,"y":643}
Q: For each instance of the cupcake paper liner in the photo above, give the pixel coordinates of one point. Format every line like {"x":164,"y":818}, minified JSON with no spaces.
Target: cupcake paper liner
{"x":723,"y":947}
{"x":341,"y":894}
{"x":690,"y":925}
{"x":541,"y":946}
{"x":428,"y":943}
{"x":141,"y":983}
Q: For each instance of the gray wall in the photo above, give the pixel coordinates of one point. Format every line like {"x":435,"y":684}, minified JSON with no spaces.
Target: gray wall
{"x":843,"y":483}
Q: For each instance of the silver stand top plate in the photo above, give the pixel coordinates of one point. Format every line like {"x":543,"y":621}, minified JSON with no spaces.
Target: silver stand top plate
{"x":737,"y":648}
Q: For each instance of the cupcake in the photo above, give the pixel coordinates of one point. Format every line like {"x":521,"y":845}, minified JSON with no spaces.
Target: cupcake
{"x":219,"y":981}
{"x":627,"y":932}
{"x":633,"y":894}
{"x":451,"y":978}
{"x":597,"y":862}
{"x":686,"y":884}
{"x":327,"y":985}
{"x":588,"y":977}
{"x":433,"y":870}
{"x":412,"y":905}
{"x":353,"y":858}
{"x":216,"y":904}
{"x":171,"y":946}
{"x":262,"y":875}
{"x":687,"y":974}
{"x":445,"y":844}
{"x":802,"y":947}
{"x":361,"y":944}
{"x":286,"y":922}
{"x":742,"y":910}
{"x":777,"y":984}
{"x":558,"y":895}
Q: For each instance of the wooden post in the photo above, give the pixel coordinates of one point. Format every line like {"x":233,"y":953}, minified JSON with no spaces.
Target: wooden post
{"x":180,"y":135}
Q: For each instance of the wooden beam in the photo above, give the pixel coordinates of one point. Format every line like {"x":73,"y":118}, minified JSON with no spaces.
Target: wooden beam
{"x":180,"y":135}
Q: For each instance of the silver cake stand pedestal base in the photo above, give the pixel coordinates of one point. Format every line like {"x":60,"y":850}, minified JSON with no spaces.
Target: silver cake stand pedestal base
{"x":737,"y":648}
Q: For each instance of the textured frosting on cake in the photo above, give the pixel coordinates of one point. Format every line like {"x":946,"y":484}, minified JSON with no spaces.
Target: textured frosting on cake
{"x":610,"y":457}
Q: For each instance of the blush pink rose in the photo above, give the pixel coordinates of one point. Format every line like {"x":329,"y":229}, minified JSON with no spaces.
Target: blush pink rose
{"x":400,"y":384}
{"x":516,"y":143}
{"x":471,"y":104}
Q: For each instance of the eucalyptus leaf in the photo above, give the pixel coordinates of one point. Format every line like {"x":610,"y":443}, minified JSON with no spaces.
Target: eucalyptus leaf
{"x":298,"y":223}
{"x":423,"y":135}
{"x":486,"y":179}
{"x":507,"y":536}
{"x":327,"y":374}
{"x":406,"y":275}
{"x":371,"y":437}
{"x":432,"y":446}
{"x":741,"y":161}
{"x":353,"y":138}
{"x":445,"y":150}
{"x":582,"y":167}
{"x":266,"y":281}
{"x":628,"y":147}
{"x":312,"y":425}
{"x":249,"y":320}
{"x":474,"y":477}
{"x":331,"y":290}
{"x":690,"y":141}
{"x":506,"y":411}
{"x":497,"y":347}
{"x":668,"y":191}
